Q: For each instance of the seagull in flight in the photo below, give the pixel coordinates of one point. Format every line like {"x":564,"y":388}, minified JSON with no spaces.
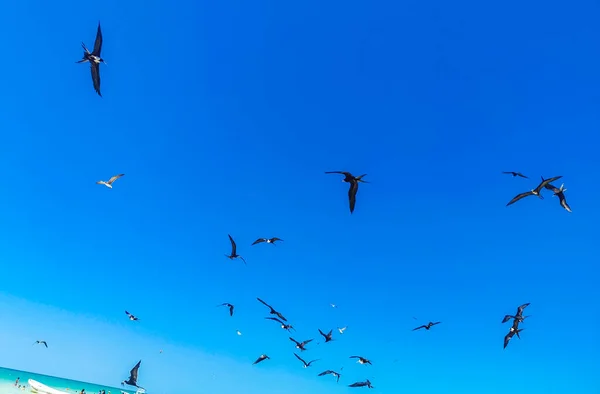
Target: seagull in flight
{"x":427,"y":326}
{"x":234,"y":254}
{"x":361,"y":360}
{"x":133,"y":377}
{"x":110,"y":181}
{"x":267,"y":240}
{"x":353,"y":181}
{"x":519,"y":315}
{"x":328,"y":337}
{"x":131,"y":317}
{"x":230,"y":306}
{"x":366,"y":383}
{"x":330,"y":372}
{"x":306,"y":364}
{"x":272,"y":310}
{"x":515,"y":174}
{"x":300,"y":345}
{"x":41,"y":342}
{"x":262,"y":358}
{"x":342,"y":329}
{"x":94,"y":59}
{"x":285,"y":326}
{"x":534,"y":192}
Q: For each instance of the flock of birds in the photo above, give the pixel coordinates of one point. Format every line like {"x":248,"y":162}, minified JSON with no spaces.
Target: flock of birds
{"x":94,"y":59}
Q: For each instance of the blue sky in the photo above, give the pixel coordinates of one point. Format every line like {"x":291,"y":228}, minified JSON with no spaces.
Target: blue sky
{"x":229,"y":127}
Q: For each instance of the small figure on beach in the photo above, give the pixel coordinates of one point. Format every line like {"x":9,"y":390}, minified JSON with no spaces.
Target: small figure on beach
{"x":17,"y":381}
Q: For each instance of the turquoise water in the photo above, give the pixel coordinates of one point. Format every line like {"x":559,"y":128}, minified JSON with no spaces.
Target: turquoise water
{"x":8,"y":377}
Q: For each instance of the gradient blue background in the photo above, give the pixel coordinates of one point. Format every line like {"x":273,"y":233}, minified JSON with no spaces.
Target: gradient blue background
{"x":224,"y":115}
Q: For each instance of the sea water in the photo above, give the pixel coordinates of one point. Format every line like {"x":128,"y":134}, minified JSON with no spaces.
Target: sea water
{"x":9,"y":376}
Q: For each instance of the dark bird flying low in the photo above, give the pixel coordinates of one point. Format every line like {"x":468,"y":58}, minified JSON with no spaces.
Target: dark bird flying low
{"x":131,"y":317}
{"x":353,"y":181}
{"x":519,"y":315}
{"x":330,"y":372}
{"x":285,"y":326}
{"x":262,"y":358}
{"x":94,"y":59}
{"x":361,"y":360}
{"x":267,"y":240}
{"x":133,"y":376}
{"x":328,"y":337}
{"x":366,"y":383}
{"x":41,"y":342}
{"x":300,"y":345}
{"x":534,"y":192}
{"x":306,"y":364}
{"x":234,"y":254}
{"x":427,"y":326}
{"x":230,"y":306}
{"x":273,"y":311}
{"x":514,"y":174}
{"x":559,"y":191}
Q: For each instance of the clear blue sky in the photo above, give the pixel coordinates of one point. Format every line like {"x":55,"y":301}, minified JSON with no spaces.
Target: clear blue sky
{"x":224,"y":115}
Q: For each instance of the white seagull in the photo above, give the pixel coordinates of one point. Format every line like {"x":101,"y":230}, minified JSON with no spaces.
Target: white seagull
{"x":341,"y":330}
{"x":110,"y":181}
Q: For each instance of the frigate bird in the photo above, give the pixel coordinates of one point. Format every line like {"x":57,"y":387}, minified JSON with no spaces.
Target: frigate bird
{"x":513,"y":330}
{"x":330,"y":372}
{"x":519,"y":315}
{"x":427,"y":326}
{"x":366,"y":383}
{"x":272,"y":310}
{"x":342,"y":329}
{"x":534,"y":192}
{"x":234,"y":254}
{"x":328,"y":337}
{"x":353,"y":181}
{"x":306,"y":364}
{"x":267,"y":240}
{"x":131,"y":317}
{"x":230,"y":306}
{"x":515,"y":174}
{"x":559,"y":191}
{"x":110,"y":181}
{"x":262,"y":358}
{"x":41,"y":342}
{"x":133,"y":377}
{"x":300,"y":345}
{"x":94,"y":59}
{"x":286,"y":327}
{"x":361,"y":360}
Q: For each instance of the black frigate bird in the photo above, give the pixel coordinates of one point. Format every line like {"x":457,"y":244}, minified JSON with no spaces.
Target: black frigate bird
{"x":534,"y":192}
{"x":519,"y":315}
{"x":41,"y":342}
{"x":267,"y":240}
{"x":559,"y":191}
{"x":230,"y":306}
{"x":353,"y":181}
{"x":94,"y":59}
{"x":366,"y":383}
{"x":133,"y":376}
{"x":286,"y":327}
{"x":330,"y":372}
{"x":515,"y":174}
{"x":273,"y":311}
{"x":262,"y":357}
{"x":513,"y":330}
{"x":306,"y":364}
{"x":328,"y":337}
{"x":234,"y":254}
{"x":427,"y":326}
{"x":361,"y":360}
{"x":131,"y":316}
{"x":300,"y":345}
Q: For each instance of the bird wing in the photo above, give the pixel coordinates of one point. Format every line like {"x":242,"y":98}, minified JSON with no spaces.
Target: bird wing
{"x":414,"y":329}
{"x":95,"y":67}
{"x":312,"y":361}
{"x":98,"y":42}
{"x":507,"y":318}
{"x":114,"y":178}
{"x":231,"y":310}
{"x":258,"y":360}
{"x":275,"y":319}
{"x":519,"y":196}
{"x":259,"y":241}
{"x":244,"y":260}
{"x":300,"y":358}
{"x":355,"y":357}
{"x":521,"y":175}
{"x":321,"y":332}
{"x":508,"y":172}
{"x":546,"y":181}
{"x":521,"y":308}
{"x":338,"y":172}
{"x":128,"y":314}
{"x":357,"y":384}
{"x":563,"y":201}
{"x":352,"y":194}
{"x":233,"y":246}
{"x":264,"y":303}
{"x":134,"y":372}
{"x":295,"y":341}
{"x":437,"y":322}
{"x":280,"y":315}
{"x":276,"y":239}
{"x":507,"y":338}
{"x":325,"y":373}
{"x":550,"y":186}
{"x":45,"y":344}
{"x":307,"y":342}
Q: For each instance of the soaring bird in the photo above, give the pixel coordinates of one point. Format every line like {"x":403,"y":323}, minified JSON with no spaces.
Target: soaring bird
{"x":330,"y":372}
{"x":366,"y":383}
{"x":519,"y":315}
{"x":262,"y":357}
{"x":534,"y":192}
{"x":133,"y":376}
{"x":273,"y":311}
{"x":230,"y":306}
{"x":361,"y":360}
{"x":131,"y":317}
{"x":306,"y":364}
{"x":286,"y":327}
{"x":41,"y":342}
{"x":353,"y":181}
{"x":515,"y":174}
{"x":513,"y":330}
{"x":267,"y":240}
{"x":328,"y":337}
{"x":342,"y":329}
{"x":427,"y":326}
{"x":300,"y":345}
{"x":559,"y":191}
{"x":234,"y":254}
{"x":94,"y":59}
{"x":110,"y":181}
